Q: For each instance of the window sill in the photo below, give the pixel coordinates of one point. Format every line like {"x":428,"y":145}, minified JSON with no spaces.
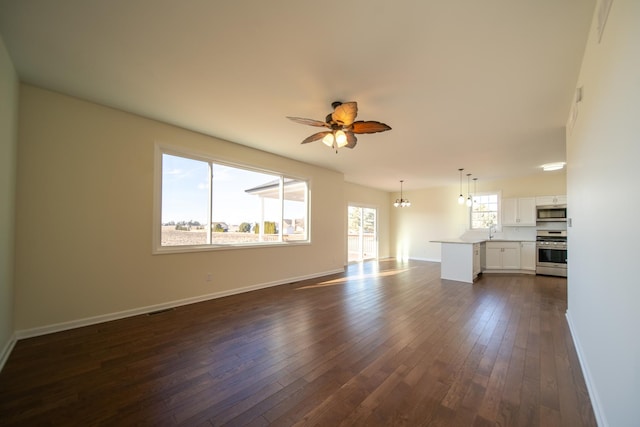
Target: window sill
{"x":165,"y":250}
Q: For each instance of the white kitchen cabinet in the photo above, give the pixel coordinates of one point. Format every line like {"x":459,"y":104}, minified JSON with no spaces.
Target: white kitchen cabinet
{"x":528,"y":256}
{"x":493,"y":257}
{"x":519,"y":212}
{"x":502,"y":256}
{"x":551,"y":200}
{"x":476,"y":259}
{"x":509,"y":211}
{"x":511,"y":257}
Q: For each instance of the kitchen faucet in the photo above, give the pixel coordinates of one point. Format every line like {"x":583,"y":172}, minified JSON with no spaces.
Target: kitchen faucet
{"x":491,"y":228}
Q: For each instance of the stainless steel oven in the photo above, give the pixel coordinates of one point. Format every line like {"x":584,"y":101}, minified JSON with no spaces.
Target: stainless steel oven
{"x":551,"y":252}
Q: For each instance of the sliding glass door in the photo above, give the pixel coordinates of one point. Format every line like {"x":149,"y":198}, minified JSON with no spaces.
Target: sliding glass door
{"x":362,"y":233}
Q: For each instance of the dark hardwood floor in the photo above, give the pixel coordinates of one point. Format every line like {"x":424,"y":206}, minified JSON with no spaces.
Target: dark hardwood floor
{"x":387,"y":343}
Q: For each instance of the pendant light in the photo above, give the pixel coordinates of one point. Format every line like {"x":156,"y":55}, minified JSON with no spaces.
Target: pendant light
{"x":469,"y":201}
{"x":461,"y":197}
{"x":475,"y":190}
{"x":402,"y":203}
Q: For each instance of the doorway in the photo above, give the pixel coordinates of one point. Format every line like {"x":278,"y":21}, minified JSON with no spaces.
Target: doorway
{"x":362,"y":234}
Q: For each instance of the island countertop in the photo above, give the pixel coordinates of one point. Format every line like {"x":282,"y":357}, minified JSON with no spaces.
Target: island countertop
{"x":462,"y":241}
{"x":473,"y":241}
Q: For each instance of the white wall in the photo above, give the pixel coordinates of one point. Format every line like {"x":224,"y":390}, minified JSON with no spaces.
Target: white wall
{"x":8,"y":147}
{"x":603,"y":154}
{"x":84,"y":218}
{"x":435,"y":213}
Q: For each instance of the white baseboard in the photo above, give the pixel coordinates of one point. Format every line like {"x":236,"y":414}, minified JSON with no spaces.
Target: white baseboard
{"x":586,"y":373}
{"x":425,"y":259}
{"x":530,"y":272}
{"x":6,"y":351}
{"x":58,"y":327}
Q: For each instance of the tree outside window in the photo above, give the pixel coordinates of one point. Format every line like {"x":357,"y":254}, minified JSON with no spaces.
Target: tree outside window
{"x":484,"y":211}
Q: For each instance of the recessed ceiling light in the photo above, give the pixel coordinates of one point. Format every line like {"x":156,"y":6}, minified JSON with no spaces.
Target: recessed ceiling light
{"x":553,"y":166}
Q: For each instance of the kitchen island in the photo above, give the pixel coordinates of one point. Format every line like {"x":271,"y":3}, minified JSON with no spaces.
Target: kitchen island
{"x":464,"y":259}
{"x":460,"y":259}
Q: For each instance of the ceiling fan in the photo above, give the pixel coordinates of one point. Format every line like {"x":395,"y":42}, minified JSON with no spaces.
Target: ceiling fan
{"x":342,"y":127}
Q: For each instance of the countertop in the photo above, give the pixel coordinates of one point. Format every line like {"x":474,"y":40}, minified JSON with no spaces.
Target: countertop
{"x":472,"y":241}
{"x":508,"y":240}
{"x":465,"y":241}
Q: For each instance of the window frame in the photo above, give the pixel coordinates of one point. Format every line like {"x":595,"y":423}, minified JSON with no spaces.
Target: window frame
{"x":161,"y":149}
{"x":498,"y":224}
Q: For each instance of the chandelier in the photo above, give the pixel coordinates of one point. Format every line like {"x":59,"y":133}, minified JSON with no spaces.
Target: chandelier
{"x":402,"y":203}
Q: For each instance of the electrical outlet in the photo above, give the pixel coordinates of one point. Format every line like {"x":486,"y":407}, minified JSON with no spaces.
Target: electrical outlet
{"x":209,"y":277}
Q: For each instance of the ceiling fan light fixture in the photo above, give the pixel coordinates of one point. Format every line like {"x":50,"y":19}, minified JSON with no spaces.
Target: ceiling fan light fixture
{"x":342,"y":126}
{"x":341,"y":138}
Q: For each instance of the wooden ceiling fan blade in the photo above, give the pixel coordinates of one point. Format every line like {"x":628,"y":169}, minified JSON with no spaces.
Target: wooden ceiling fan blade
{"x":369,"y":127}
{"x":315,"y":137}
{"x":309,"y":122}
{"x":345,"y":113}
{"x":351,"y":140}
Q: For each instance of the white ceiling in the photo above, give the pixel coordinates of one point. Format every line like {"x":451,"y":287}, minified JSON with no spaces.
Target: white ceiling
{"x":484,"y":85}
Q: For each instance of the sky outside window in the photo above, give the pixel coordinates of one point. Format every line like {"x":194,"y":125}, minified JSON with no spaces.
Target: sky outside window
{"x":185,"y":193}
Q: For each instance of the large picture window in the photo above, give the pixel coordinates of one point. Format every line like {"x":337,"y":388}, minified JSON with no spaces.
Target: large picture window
{"x":209,"y":204}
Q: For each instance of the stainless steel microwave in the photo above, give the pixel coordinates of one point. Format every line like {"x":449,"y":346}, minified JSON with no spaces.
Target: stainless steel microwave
{"x":551,"y":213}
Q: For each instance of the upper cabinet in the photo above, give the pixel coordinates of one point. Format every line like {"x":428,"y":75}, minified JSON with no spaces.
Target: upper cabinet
{"x":520,"y":212}
{"x":551,"y":200}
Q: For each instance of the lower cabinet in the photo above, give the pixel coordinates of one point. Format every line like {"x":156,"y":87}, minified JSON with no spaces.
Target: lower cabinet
{"x":477,"y":266}
{"x":502,"y":256}
{"x":528,"y":256}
